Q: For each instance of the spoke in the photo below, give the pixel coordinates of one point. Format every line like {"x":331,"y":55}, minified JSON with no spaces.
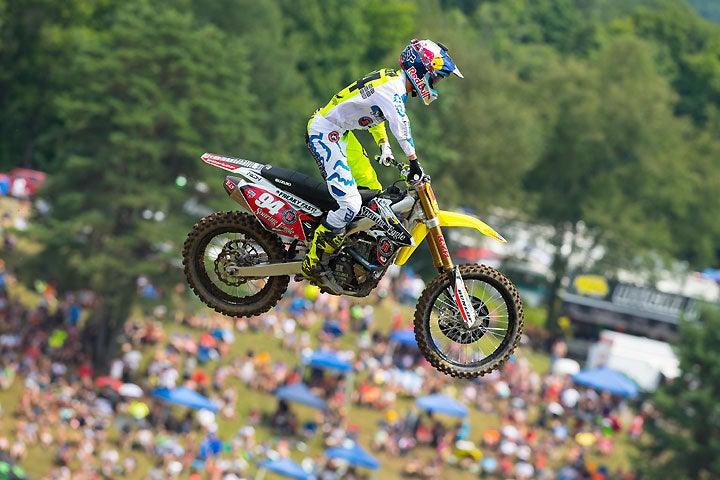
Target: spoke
{"x":451,"y":336}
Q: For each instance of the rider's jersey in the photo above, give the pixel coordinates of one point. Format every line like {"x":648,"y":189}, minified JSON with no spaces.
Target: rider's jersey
{"x":369,"y":102}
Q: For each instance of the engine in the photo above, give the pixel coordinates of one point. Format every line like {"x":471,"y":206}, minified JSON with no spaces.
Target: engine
{"x":358,"y":267}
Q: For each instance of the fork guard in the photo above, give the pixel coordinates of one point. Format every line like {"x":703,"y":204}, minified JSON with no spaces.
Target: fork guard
{"x":447,"y":219}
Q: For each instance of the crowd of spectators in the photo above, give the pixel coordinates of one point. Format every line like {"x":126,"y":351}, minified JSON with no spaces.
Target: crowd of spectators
{"x":547,"y":427}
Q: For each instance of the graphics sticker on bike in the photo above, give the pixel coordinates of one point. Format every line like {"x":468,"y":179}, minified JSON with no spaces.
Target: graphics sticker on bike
{"x":274,"y":212}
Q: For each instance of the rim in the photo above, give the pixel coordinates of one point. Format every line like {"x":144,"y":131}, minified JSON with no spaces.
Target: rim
{"x":459,"y":344}
{"x":226,"y":251}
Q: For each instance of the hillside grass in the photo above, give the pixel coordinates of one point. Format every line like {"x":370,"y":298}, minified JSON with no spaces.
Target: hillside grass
{"x":38,"y":462}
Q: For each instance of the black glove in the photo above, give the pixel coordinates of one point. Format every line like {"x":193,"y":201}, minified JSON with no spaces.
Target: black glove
{"x":416,"y":172}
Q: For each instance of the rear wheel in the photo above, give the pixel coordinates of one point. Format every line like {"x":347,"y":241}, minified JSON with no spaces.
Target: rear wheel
{"x":462,"y":350}
{"x":219,"y":244}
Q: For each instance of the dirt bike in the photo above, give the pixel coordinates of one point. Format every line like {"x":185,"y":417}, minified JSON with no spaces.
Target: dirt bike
{"x":468,"y":319}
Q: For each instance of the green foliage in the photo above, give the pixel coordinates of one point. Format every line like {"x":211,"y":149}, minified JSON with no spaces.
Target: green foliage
{"x":137,"y":106}
{"x":682,"y":429}
{"x":598,"y":117}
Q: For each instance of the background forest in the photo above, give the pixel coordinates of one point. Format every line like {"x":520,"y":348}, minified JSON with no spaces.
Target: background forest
{"x":597,"y":118}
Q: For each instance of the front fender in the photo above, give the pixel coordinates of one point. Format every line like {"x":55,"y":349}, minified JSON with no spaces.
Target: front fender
{"x":447,"y":219}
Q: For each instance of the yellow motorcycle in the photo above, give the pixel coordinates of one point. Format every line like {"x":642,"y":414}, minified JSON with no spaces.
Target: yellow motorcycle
{"x":468,"y":319}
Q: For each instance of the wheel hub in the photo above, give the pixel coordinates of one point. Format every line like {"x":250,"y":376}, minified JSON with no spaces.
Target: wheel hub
{"x":454,"y":327}
{"x":235,"y":254}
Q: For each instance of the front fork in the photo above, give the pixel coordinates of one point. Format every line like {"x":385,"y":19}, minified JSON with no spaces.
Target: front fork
{"x":441,"y":254}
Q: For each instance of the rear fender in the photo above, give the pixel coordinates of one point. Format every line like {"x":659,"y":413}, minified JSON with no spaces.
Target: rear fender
{"x":447,"y":219}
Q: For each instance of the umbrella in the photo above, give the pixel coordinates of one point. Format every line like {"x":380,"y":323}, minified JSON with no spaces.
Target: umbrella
{"x":607,"y":380}
{"x":108,"y":381}
{"x":139,"y":410}
{"x":130,"y":390}
{"x":404,"y":337}
{"x":442,"y":403}
{"x":326,"y":359}
{"x":565,"y":366}
{"x":300,"y":393}
{"x":286,"y":467}
{"x":332,"y":327}
{"x":712,"y":274}
{"x":354,"y":454}
{"x":209,"y":447}
{"x":186,"y":397}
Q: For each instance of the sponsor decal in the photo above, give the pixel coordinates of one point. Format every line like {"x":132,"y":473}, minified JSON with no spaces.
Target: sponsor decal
{"x":377,"y":113}
{"x":345,"y":181}
{"x":283,"y":182}
{"x":253,"y":176}
{"x":365,"y":121}
{"x":591,"y":285}
{"x":302,"y":205}
{"x":230,"y":185}
{"x":377,"y":219}
{"x":289,"y":216}
{"x":408,"y":55}
{"x":385,"y":247}
{"x":366,"y":91}
{"x":229,"y":163}
{"x":333,"y":136}
{"x":269,"y":220}
{"x":443,"y":247}
{"x":399,"y":105}
{"x":463,"y":301}
{"x":405,"y":131}
{"x":419,"y":83}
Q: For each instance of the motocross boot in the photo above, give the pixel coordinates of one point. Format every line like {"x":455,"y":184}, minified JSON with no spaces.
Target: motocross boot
{"x":325,"y":242}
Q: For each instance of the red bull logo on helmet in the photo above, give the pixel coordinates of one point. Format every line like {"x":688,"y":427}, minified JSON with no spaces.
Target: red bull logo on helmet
{"x":419,"y":83}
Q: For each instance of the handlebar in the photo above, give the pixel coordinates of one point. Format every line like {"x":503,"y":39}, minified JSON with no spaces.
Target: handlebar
{"x":404,"y":170}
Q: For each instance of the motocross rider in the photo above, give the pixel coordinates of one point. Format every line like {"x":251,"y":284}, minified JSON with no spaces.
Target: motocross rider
{"x":366,"y":104}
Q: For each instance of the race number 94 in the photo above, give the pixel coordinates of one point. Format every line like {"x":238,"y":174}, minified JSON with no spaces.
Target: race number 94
{"x":267,"y":201}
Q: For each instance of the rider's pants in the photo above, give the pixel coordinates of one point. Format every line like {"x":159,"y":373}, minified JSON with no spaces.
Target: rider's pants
{"x":344,"y":164}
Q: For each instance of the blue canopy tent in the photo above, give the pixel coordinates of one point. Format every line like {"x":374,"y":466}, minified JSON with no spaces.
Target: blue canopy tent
{"x":300,"y":393}
{"x":441,"y":403}
{"x":404,"y":337}
{"x":186,"y":397}
{"x":353,"y":454}
{"x":284,"y":466}
{"x":328,"y":360}
{"x":712,"y":274}
{"x":607,"y":380}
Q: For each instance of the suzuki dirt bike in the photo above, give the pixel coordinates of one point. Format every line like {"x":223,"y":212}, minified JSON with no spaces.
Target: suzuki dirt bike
{"x":468,"y":319}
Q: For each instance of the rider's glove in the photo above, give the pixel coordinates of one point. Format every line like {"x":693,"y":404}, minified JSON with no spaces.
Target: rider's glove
{"x":386,"y":157}
{"x":416,"y":172}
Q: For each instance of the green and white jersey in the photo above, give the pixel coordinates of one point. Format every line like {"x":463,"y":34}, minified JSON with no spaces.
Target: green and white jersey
{"x":371,"y":101}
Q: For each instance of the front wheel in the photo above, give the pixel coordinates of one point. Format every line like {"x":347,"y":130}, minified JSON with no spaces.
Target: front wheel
{"x":467,"y":351}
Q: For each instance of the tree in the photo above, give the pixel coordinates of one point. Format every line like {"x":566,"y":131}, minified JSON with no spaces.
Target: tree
{"x":32,"y":45}
{"x":682,"y":439}
{"x":142,"y":100}
{"x":694,"y":47}
{"x":610,"y":171}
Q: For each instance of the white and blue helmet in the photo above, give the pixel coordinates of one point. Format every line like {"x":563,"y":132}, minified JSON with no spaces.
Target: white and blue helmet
{"x":425,"y":63}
